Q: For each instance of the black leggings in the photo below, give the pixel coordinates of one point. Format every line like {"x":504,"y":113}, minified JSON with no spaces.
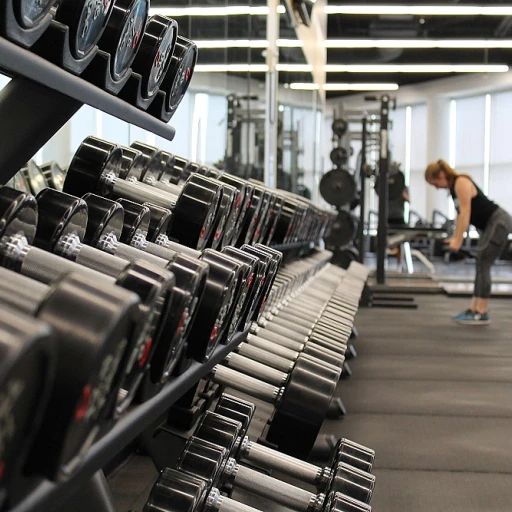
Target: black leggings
{"x":492,"y":243}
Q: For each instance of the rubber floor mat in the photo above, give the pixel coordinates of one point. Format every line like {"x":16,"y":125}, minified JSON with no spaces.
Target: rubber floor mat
{"x":430,"y":442}
{"x":383,"y":367}
{"x":440,"y":398}
{"x":425,"y":491}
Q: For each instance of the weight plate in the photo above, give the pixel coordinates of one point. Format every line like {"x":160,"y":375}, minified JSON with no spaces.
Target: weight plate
{"x":31,"y":12}
{"x":175,"y":491}
{"x":339,"y":156}
{"x":89,"y":371}
{"x":339,"y":127}
{"x":160,"y":222}
{"x":338,"y":187}
{"x":152,"y":162}
{"x":396,"y":185}
{"x":123,"y":34}
{"x":136,"y":220}
{"x":132,"y":164}
{"x":303,"y":406}
{"x":195,"y":212}
{"x":54,"y":175}
{"x":93,"y":158}
{"x":224,"y":217}
{"x":34,"y":177}
{"x":105,"y":217}
{"x":18,"y":214}
{"x":219,"y":430}
{"x":28,"y":354}
{"x":202,"y":459}
{"x":213,"y":310}
{"x":343,"y":230}
{"x":236,"y":408}
{"x":155,"y":53}
{"x":344,"y":257}
{"x":86,"y":20}
{"x":180,"y":72}
{"x":60,"y":215}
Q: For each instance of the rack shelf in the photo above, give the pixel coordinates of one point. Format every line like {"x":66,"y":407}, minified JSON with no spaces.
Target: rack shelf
{"x":46,"y":494}
{"x":15,"y":60}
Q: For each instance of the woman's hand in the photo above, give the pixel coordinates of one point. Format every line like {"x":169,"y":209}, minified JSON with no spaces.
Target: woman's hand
{"x":454,"y":244}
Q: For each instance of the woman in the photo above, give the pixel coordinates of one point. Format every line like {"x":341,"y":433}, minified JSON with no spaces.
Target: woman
{"x":493,"y":223}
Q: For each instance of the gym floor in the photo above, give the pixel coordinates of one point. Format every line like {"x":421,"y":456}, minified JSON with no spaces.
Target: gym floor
{"x":431,"y":397}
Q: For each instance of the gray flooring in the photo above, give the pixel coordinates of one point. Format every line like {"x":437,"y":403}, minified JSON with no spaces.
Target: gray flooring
{"x":433,"y":399}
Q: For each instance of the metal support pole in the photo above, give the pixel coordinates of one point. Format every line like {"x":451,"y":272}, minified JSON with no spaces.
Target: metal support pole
{"x":272,"y":82}
{"x":362,"y":199}
{"x":382,"y":233}
{"x":31,"y":114}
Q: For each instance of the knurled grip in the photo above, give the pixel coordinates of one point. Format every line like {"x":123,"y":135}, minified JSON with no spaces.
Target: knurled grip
{"x":266,"y":357}
{"x":272,"y":459}
{"x":258,"y":370}
{"x":47,"y":267}
{"x":133,"y":255}
{"x":282,"y":492}
{"x":101,"y":261}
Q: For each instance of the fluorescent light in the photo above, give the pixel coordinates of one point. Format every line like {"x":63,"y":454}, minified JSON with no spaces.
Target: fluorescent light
{"x":356,"y":68}
{"x":233,"y":68}
{"x":360,"y":87}
{"x":245,"y":43}
{"x":344,"y":87}
{"x":418,"y":43}
{"x":304,"y":87}
{"x":234,"y":10}
{"x":420,"y":10}
{"x":297,"y":68}
{"x":416,"y":68}
{"x":231,"y":43}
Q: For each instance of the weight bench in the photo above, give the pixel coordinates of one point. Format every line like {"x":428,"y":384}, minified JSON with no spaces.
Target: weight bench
{"x":402,"y":236}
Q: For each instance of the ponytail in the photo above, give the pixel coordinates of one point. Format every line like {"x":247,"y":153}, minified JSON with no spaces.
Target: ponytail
{"x":434,"y":170}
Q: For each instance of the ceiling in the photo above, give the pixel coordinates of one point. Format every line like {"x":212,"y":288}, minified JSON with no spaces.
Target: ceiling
{"x":355,"y":27}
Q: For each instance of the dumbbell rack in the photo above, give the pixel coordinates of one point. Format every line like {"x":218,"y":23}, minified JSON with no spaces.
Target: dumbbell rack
{"x":38,"y":101}
{"x":41,"y":98}
{"x":43,"y":494}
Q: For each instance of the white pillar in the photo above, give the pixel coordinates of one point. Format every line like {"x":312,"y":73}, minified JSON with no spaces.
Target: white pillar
{"x":438,"y":146}
{"x":272,"y":83}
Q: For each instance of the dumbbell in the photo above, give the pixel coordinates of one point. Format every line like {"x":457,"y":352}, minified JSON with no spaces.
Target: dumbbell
{"x":339,"y":477}
{"x":183,"y":168}
{"x":300,"y":405}
{"x":28,"y":355}
{"x":137,"y":219}
{"x":96,"y":167}
{"x":155,"y":169}
{"x":104,"y":226}
{"x":346,"y":451}
{"x":213,"y":463}
{"x":154,"y":286}
{"x":145,"y":164}
{"x":93,"y":353}
{"x":176,"y":491}
{"x":256,"y":215}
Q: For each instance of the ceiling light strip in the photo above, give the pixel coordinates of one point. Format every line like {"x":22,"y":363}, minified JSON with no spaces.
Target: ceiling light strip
{"x":418,"y":43}
{"x":420,"y":10}
{"x":244,"y":43}
{"x":416,"y":68}
{"x":357,"y":68}
{"x":234,"y":10}
{"x":344,"y":87}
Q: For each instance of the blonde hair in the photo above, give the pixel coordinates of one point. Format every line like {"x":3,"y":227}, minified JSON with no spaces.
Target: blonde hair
{"x":435,"y":169}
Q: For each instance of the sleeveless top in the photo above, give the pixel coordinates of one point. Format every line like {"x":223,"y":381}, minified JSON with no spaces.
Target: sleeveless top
{"x":481,"y":207}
